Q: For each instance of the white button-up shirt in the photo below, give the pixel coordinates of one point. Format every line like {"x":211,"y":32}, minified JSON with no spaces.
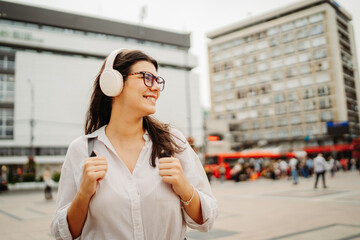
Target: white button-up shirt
{"x":129,"y":205}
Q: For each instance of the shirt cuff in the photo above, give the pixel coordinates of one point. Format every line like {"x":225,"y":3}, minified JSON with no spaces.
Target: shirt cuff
{"x":62,"y":230}
{"x":209,"y":213}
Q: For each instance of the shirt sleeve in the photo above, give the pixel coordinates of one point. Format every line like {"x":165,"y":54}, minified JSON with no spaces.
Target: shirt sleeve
{"x":195,"y":174}
{"x":66,"y":193}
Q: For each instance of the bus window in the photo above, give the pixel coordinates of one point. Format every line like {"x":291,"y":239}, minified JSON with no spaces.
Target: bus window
{"x":211,"y":160}
{"x":231,"y":161}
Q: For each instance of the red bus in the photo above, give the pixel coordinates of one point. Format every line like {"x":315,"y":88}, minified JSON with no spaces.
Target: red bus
{"x":214,"y":160}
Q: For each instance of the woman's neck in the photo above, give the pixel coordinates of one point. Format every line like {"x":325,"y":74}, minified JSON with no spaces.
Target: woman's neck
{"x":124,"y":126}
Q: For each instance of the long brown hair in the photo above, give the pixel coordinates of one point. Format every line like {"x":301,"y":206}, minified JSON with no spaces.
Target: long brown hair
{"x":99,"y":111}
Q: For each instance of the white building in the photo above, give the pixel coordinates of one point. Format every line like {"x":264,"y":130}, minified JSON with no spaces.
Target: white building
{"x":48,"y":63}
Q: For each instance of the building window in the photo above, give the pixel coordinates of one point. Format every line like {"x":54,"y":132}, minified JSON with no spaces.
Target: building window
{"x":303,"y":45}
{"x":265,"y":101}
{"x":295,"y":120}
{"x":6,"y":88}
{"x":250,"y":59}
{"x":312,"y":130}
{"x":293,"y":96}
{"x":241,"y":104}
{"x":323,"y":91}
{"x":308,"y":93}
{"x":280,"y":109}
{"x":252,"y":80}
{"x":281,"y":122}
{"x":279,"y":86}
{"x":287,"y":27}
{"x":273,"y":31}
{"x":251,"y":70}
{"x":311,"y":118}
{"x":240,"y":83}
{"x":288,"y":37}
{"x":291,"y":72}
{"x":262,"y":56}
{"x":316,"y":18}
{"x":279,"y":98}
{"x":322,"y":77}
{"x":289,"y":49}
{"x":309,"y":105}
{"x":305,"y":69}
{"x":6,"y":123}
{"x":278,"y":75}
{"x":301,"y":22}
{"x":261,"y":45}
{"x":292,"y":83}
{"x":290,"y":60}
{"x":320,"y":41}
{"x":303,"y":33}
{"x":294,"y":107}
{"x":307,"y":81}
{"x":262,"y":67}
{"x":275,"y":52}
{"x":325,"y":103}
{"x":275,"y":41}
{"x":268,"y":123}
{"x":305,"y":57}
{"x":276,"y":63}
{"x":283,"y":133}
{"x":320,"y":53}
{"x":326,"y":116}
{"x":296,"y":131}
{"x":321,"y":66}
{"x":316,"y":30}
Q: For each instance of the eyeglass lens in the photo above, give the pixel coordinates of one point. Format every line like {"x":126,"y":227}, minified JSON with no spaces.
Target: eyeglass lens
{"x":149,"y":81}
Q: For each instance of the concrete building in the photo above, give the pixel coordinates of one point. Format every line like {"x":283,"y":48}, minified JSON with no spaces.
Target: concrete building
{"x":283,"y":77}
{"x":48,"y":62}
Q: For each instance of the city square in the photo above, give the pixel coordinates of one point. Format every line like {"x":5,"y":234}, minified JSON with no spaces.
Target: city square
{"x":260,"y":209}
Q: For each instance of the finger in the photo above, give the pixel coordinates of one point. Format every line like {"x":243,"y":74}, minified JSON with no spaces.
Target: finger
{"x":167,"y":165}
{"x":95,"y":162}
{"x":167,"y":179}
{"x":166,"y":160}
{"x":166,"y":172}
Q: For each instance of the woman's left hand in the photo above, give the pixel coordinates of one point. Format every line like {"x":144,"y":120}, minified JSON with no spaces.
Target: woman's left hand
{"x":171,"y":172}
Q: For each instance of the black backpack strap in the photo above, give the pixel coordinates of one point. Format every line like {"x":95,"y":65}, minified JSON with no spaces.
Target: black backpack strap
{"x":90,"y":146}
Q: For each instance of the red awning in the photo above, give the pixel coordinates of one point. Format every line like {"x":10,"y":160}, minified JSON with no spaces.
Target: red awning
{"x":330,"y":148}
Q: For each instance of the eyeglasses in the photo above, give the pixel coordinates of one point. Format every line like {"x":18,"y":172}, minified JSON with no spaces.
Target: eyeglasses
{"x":149,"y":79}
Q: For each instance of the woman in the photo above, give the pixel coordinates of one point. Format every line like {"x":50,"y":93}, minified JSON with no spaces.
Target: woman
{"x":145,"y":181}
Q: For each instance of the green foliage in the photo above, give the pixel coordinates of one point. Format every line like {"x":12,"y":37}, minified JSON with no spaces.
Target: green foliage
{"x":29,"y":177}
{"x":56,"y":176}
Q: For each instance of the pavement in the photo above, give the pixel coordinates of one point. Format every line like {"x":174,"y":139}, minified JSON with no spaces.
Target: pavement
{"x":259,"y":209}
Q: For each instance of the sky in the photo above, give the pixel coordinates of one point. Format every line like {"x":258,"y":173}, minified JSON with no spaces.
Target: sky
{"x":195,"y":16}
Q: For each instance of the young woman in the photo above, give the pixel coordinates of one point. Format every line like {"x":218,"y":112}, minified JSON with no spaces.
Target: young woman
{"x":144,"y":180}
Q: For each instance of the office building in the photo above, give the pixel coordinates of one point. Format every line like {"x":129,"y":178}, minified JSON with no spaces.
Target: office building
{"x":287,"y":77}
{"x":48,"y":62}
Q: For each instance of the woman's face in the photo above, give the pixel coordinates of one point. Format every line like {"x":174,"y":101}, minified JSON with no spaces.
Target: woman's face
{"x":136,"y":97}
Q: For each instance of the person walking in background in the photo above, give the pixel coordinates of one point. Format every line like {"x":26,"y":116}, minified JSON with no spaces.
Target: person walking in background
{"x":131,"y":176}
{"x":309,"y":164}
{"x":48,"y":183}
{"x":293,"y":166}
{"x":332,"y":165}
{"x":320,"y":169}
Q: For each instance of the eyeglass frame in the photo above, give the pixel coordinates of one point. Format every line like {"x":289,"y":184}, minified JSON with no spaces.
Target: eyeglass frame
{"x":153,"y":79}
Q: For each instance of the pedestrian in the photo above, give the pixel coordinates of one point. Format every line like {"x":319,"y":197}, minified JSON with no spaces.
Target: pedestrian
{"x":235,"y":172}
{"x":222,"y":171}
{"x":320,"y":169}
{"x":309,"y":164}
{"x":48,"y":182}
{"x":143,"y":179}
{"x":293,"y":163}
{"x":332,"y":165}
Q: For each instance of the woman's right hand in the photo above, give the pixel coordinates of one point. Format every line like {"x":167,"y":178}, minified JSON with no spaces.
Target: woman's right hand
{"x":95,"y":169}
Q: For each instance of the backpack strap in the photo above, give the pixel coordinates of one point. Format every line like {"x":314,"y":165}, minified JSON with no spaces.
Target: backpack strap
{"x":90,"y":146}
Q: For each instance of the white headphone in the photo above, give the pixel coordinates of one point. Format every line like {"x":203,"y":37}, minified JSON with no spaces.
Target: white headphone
{"x":111,"y":80}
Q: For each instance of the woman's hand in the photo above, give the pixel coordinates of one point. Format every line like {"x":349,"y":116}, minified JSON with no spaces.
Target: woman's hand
{"x":94,"y":170}
{"x":171,"y":172}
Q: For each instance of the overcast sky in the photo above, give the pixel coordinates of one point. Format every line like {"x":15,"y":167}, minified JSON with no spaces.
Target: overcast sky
{"x":195,"y":16}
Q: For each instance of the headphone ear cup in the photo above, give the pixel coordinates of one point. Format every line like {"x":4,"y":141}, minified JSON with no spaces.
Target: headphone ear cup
{"x":111,"y":82}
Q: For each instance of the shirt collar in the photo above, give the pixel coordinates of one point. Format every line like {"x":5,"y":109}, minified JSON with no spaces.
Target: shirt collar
{"x":100,"y":134}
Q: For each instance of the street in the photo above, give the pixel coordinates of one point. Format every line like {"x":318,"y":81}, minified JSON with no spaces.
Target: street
{"x":260,"y":209}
